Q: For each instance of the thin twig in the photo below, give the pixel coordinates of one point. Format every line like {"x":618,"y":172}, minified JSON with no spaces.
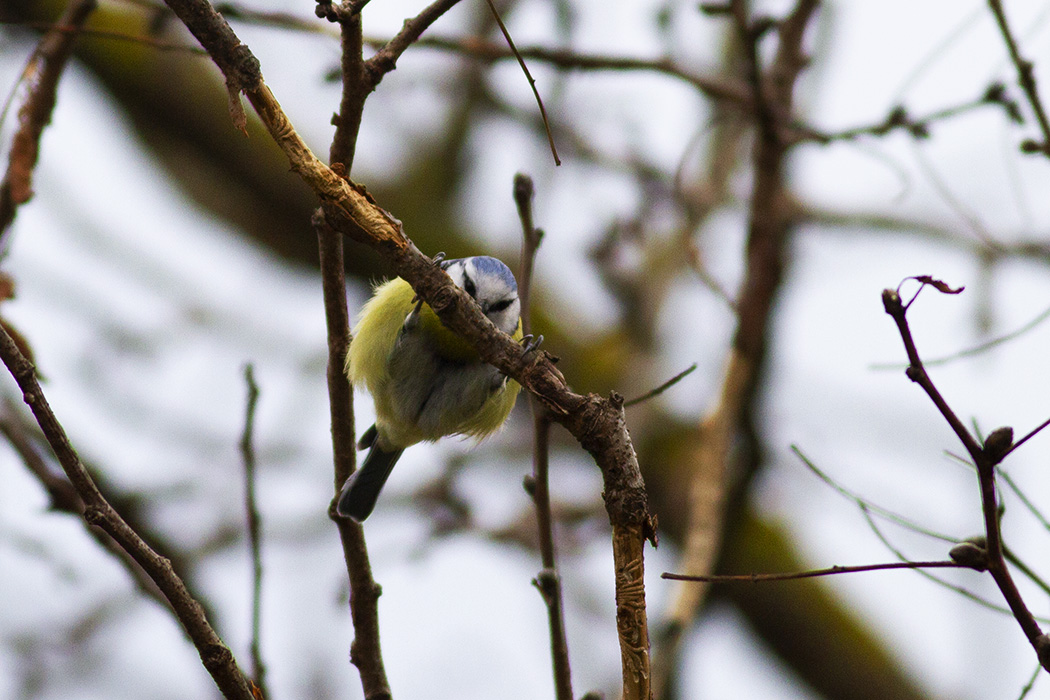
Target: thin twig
{"x":1031,"y":434}
{"x":356,"y":89}
{"x":142,"y":40}
{"x":528,"y":76}
{"x":814,"y":573}
{"x":43,"y":71}
{"x":1030,"y":684}
{"x":385,"y":59}
{"x":1025,"y":76}
{"x":548,"y":582}
{"x":1027,"y":502}
{"x":959,"y":590}
{"x":365,"y":652}
{"x":919,"y":127}
{"x":715,"y":87}
{"x":868,"y":506}
{"x":531,"y":237}
{"x":988,"y":344}
{"x":663,"y":387}
{"x":1028,"y":572}
{"x":869,"y":510}
{"x":254,"y":527}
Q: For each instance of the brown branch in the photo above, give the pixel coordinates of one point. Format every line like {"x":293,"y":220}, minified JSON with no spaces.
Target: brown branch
{"x":919,"y":127}
{"x":158,"y":44}
{"x":1026,"y":78}
{"x":531,"y":237}
{"x":43,"y":72}
{"x":254,"y":528}
{"x":656,"y":391}
{"x":215,"y":655}
{"x":714,"y":87}
{"x":1031,"y":434}
{"x":365,"y":651}
{"x":385,"y":59}
{"x":814,"y":573}
{"x":548,"y":582}
{"x":985,"y":458}
{"x":528,"y":76}
{"x":356,"y":89}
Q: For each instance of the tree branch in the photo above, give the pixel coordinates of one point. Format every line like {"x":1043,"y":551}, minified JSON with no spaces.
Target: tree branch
{"x":816,"y":573}
{"x":254,"y":527}
{"x":985,"y":458}
{"x":1026,"y":78}
{"x":215,"y":655}
{"x":44,"y":71}
{"x":548,"y":581}
{"x":365,"y":651}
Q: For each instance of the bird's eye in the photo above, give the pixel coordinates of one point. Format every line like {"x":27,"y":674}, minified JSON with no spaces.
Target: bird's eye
{"x":469,"y":287}
{"x":501,"y":305}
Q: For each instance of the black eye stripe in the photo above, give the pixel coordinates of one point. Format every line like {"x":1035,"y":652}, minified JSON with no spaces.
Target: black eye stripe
{"x":501,"y":305}
{"x":469,"y":287}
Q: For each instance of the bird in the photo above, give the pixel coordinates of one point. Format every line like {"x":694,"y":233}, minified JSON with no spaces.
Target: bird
{"x":426,"y":382}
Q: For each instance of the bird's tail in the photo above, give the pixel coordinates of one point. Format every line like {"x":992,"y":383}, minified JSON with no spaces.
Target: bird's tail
{"x":359,"y":494}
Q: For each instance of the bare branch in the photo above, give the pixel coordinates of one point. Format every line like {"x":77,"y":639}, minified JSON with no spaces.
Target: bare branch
{"x":215,"y":655}
{"x":548,"y":582}
{"x":254,"y":520}
{"x":714,"y":87}
{"x":366,"y":651}
{"x":663,"y":387}
{"x":814,"y":573}
{"x":385,"y":59}
{"x":528,"y":76}
{"x":1026,"y":78}
{"x":985,"y":458}
{"x":43,"y":71}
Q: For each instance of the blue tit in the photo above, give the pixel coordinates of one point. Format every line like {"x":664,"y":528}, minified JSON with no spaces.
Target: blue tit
{"x":426,"y":381}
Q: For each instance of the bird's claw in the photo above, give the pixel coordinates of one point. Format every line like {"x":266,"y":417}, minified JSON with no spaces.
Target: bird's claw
{"x":530,"y":343}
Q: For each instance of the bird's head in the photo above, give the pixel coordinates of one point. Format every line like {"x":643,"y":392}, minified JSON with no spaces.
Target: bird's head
{"x":492,"y":285}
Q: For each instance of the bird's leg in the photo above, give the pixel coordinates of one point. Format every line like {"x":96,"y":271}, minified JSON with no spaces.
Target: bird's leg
{"x":412,"y":320}
{"x":529,"y":343}
{"x":497,"y":382}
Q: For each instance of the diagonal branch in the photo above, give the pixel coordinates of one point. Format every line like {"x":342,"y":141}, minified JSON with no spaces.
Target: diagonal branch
{"x":385,"y":60}
{"x":215,"y":655}
{"x":43,"y":71}
{"x":985,"y":457}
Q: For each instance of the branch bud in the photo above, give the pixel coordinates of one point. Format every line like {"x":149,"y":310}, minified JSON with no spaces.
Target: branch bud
{"x":972,"y":553}
{"x":998,"y":443}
